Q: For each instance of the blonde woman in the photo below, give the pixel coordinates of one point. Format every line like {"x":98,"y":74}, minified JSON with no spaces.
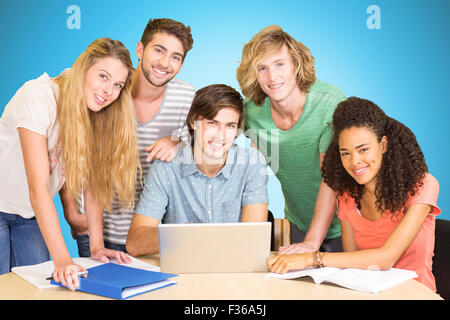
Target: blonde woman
{"x":77,"y":132}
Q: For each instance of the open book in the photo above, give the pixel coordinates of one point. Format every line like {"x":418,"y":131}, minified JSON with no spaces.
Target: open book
{"x":356,"y":279}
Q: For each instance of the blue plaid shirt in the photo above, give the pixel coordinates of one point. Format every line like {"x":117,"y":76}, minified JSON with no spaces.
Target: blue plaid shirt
{"x":180,"y":193}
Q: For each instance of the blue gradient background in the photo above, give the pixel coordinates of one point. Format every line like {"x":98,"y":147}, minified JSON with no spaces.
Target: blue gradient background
{"x":403,"y":67}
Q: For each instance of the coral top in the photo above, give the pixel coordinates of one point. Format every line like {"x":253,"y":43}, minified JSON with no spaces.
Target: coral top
{"x":373,"y":234}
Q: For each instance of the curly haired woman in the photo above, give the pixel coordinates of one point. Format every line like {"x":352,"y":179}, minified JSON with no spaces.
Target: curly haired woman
{"x":387,"y":200}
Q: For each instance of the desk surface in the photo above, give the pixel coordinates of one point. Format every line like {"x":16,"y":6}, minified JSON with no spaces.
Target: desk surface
{"x":221,"y":286}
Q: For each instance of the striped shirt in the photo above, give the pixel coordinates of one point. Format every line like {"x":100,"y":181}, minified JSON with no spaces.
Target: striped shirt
{"x":168,"y":121}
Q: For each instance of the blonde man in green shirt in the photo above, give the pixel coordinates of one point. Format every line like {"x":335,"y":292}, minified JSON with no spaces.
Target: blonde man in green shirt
{"x":288,"y":112}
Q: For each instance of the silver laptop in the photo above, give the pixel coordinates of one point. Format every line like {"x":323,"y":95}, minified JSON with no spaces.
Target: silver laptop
{"x":214,"y":247}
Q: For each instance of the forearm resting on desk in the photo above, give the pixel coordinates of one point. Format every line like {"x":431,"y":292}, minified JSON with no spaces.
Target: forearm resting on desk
{"x":142,"y":236}
{"x":382,"y":258}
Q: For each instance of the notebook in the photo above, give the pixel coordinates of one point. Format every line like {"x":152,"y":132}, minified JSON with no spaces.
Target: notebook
{"x":214,"y":247}
{"x":372,"y":281}
{"x":37,"y":274}
{"x":119,"y":281}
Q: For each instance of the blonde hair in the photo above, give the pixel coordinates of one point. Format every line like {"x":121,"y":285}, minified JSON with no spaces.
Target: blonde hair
{"x":268,"y":40}
{"x":99,"y":149}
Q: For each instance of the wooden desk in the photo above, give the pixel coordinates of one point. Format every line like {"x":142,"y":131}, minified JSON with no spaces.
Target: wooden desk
{"x":221,"y":286}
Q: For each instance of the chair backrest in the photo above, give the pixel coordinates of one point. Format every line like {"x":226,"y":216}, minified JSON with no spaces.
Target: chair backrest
{"x":441,"y":259}
{"x":281,"y":232}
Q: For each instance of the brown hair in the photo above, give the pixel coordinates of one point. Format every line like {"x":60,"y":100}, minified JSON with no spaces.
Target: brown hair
{"x":272,"y":39}
{"x":171,"y":27}
{"x":209,"y":100}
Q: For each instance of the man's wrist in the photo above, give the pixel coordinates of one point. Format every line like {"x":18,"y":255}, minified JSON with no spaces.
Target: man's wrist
{"x":315,"y":244}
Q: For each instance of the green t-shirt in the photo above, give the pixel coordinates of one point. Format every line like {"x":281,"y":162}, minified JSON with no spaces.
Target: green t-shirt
{"x":296,"y":164}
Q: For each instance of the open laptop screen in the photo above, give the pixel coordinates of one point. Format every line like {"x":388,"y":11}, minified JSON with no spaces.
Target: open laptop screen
{"x":214,"y":247}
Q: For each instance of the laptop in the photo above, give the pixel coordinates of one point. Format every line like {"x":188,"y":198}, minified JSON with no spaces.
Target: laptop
{"x":214,"y":247}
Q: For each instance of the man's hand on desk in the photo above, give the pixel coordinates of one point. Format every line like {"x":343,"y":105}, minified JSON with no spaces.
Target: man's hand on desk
{"x":105,"y":255}
{"x":301,"y":247}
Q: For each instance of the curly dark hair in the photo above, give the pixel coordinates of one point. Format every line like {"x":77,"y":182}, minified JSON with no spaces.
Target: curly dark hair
{"x":403,"y":164}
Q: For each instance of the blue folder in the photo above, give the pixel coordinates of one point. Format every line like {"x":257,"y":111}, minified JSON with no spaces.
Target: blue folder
{"x":121,"y":282}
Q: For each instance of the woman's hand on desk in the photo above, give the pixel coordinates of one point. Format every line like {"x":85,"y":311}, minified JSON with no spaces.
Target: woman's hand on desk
{"x":105,"y":255}
{"x":67,"y":274}
{"x":283,"y":263}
